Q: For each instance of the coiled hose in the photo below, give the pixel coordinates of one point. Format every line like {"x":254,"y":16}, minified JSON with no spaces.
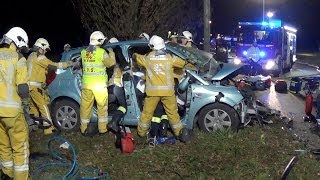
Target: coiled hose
{"x":73,"y":165}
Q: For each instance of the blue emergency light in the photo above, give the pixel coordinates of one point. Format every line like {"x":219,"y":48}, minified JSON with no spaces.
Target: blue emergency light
{"x":272,"y":23}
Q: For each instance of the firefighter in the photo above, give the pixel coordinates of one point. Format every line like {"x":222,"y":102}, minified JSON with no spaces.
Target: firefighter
{"x":14,"y":146}
{"x":186,"y":39}
{"x":113,"y":40}
{"x":253,"y":51}
{"x":253,"y":55}
{"x":173,"y":37}
{"x":38,"y":67}
{"x":144,"y":36}
{"x":116,"y":86}
{"x":95,"y":60}
{"x":66,"y":47}
{"x":159,"y":85}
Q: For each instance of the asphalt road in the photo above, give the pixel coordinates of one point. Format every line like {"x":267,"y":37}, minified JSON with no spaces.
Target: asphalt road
{"x":293,"y":105}
{"x":302,"y":69}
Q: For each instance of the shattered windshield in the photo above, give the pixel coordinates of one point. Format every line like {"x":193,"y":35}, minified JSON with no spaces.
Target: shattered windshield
{"x":201,"y":58}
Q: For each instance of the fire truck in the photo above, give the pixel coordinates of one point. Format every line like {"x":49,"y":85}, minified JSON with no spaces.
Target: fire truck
{"x":267,"y":46}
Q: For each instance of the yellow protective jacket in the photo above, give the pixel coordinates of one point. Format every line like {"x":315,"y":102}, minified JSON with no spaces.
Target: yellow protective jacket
{"x":159,"y":72}
{"x":38,"y":68}
{"x":13,"y":72}
{"x":95,"y":60}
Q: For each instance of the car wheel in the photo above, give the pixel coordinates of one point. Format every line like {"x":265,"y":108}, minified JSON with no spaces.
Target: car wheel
{"x":66,"y":115}
{"x":218,"y":116}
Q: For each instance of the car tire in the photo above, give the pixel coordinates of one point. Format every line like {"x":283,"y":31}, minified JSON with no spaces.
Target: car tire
{"x":66,"y":115}
{"x":226,"y":117}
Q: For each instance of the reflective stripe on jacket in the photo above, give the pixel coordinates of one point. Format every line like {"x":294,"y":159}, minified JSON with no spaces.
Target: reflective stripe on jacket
{"x":159,"y":72}
{"x":38,"y":67}
{"x":95,"y":60}
{"x":13,"y":71}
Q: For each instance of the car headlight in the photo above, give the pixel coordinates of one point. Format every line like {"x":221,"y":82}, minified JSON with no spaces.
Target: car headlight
{"x":270,"y":64}
{"x":262,"y":54}
{"x":237,"y":61}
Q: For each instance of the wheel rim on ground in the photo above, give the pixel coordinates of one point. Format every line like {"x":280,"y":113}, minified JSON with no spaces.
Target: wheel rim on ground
{"x":217,"y":119}
{"x":66,"y":117}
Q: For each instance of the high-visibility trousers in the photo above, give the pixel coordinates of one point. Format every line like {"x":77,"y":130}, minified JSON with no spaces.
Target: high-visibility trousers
{"x":40,"y":101}
{"x":14,"y":146}
{"x":88,"y":97}
{"x":171,"y":109}
{"x":33,"y":109}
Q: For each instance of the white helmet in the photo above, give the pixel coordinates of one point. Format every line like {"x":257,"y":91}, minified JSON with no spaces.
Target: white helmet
{"x":66,"y":46}
{"x":42,"y":43}
{"x":144,"y":36}
{"x":187,"y":35}
{"x":97,"y":38}
{"x":113,"y":40}
{"x":18,"y":36}
{"x":157,"y":43}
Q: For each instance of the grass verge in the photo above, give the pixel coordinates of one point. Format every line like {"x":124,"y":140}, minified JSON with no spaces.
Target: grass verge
{"x":252,"y":153}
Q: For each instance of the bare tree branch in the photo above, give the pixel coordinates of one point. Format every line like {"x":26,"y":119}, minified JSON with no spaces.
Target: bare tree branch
{"x":126,"y":19}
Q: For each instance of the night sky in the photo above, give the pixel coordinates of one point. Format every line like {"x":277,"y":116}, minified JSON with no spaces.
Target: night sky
{"x":57,"y":21}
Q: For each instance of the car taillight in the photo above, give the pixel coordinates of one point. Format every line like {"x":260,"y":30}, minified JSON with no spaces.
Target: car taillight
{"x":51,"y":76}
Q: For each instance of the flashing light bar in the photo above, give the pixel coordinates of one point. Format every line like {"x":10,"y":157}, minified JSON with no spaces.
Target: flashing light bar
{"x":272,"y":23}
{"x":290,"y":29}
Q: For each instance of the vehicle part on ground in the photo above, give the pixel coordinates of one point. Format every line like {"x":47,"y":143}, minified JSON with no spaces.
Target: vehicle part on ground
{"x":260,"y":85}
{"x":261,"y":114}
{"x":218,"y":116}
{"x":289,"y":167}
{"x":66,"y":115}
{"x":258,"y":82}
{"x":288,"y":122}
{"x":281,"y":86}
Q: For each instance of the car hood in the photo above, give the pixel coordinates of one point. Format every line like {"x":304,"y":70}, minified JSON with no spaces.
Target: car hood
{"x":225,"y":70}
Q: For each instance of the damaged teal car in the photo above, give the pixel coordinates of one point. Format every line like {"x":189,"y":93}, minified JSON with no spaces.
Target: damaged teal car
{"x":207,"y":102}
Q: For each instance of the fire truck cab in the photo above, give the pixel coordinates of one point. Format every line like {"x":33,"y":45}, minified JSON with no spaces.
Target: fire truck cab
{"x":271,"y":45}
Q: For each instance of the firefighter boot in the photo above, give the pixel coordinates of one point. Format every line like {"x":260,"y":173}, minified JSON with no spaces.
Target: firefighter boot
{"x":185,"y":135}
{"x":49,"y":130}
{"x":114,"y":123}
{"x":102,"y":126}
{"x":154,"y":129}
{"x":83,"y":127}
{"x":163,"y":129}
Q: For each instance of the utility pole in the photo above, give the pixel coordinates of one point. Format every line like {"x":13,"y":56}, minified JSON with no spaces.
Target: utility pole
{"x":206,"y":22}
{"x":263,"y":7}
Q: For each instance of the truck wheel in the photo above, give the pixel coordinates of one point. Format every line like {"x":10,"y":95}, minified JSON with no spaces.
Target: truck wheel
{"x":66,"y":115}
{"x":218,"y":116}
